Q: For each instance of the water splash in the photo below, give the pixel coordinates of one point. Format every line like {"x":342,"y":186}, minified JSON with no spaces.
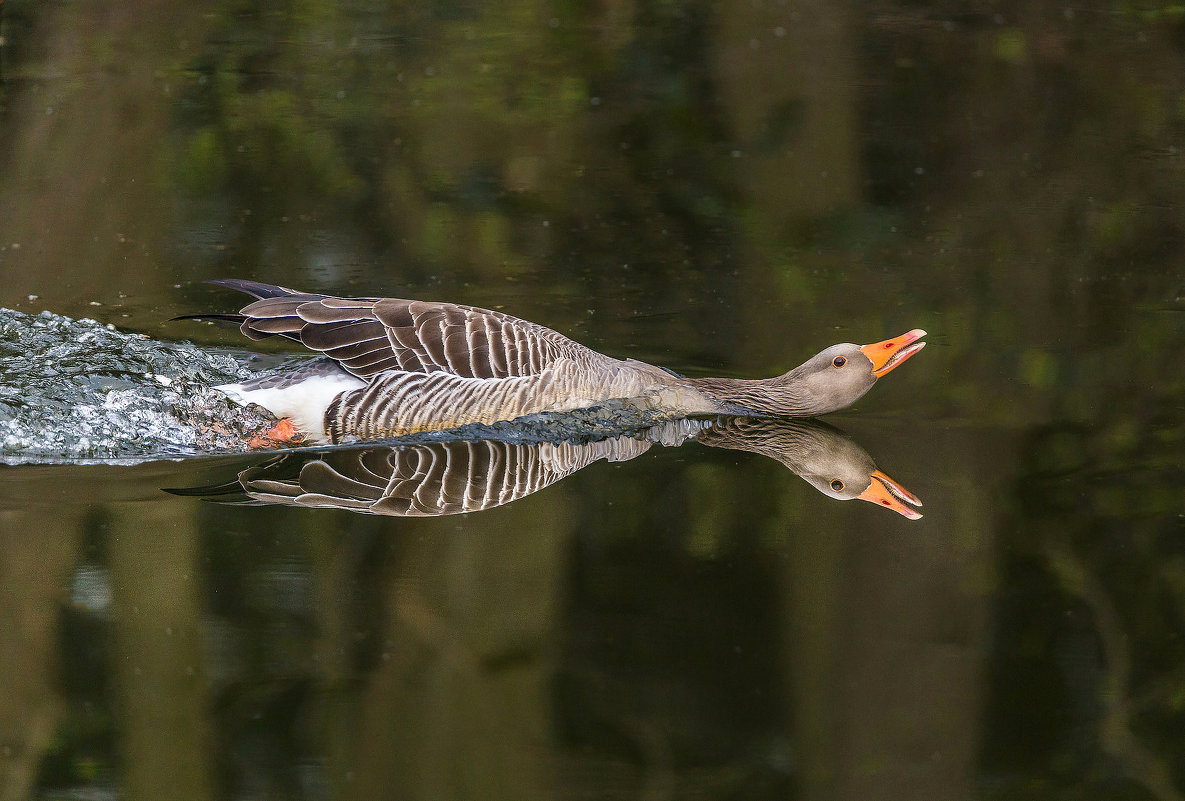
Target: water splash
{"x":79,"y":391}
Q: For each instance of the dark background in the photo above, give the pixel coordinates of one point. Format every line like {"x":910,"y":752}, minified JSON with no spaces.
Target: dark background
{"x":718,"y":187}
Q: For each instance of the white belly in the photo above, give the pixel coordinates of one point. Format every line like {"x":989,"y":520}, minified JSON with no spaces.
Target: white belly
{"x":304,"y":402}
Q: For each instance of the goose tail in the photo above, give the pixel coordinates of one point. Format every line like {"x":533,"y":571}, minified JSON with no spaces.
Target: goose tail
{"x":255,"y":289}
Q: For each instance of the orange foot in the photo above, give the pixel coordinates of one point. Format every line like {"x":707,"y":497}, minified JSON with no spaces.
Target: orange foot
{"x":282,"y":433}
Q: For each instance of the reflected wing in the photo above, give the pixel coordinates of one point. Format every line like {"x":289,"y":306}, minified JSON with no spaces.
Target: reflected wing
{"x":370,"y":335}
{"x":422,"y":480}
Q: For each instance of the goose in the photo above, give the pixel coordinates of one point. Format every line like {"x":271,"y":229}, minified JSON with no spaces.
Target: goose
{"x":392,"y":367}
{"x":428,"y":479}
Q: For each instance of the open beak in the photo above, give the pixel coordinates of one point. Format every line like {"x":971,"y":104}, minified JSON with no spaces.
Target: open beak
{"x":888,"y":355}
{"x":886,"y":492}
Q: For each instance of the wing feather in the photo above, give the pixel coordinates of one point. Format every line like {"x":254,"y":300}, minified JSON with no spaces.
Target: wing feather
{"x":430,"y":329}
{"x":394,"y":313}
{"x":367,"y":361}
{"x":326,"y":337}
{"x":334,"y":310}
{"x":362,"y":347}
{"x":370,"y":335}
{"x":276,"y":325}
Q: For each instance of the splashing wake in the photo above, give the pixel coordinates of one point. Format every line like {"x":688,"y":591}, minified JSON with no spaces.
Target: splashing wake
{"x":80,"y":391}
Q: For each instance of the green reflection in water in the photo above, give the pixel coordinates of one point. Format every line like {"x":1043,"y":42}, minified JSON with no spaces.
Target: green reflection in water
{"x":662,"y":180}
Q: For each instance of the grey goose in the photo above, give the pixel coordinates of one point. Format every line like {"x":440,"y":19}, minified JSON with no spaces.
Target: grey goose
{"x":396,"y":367}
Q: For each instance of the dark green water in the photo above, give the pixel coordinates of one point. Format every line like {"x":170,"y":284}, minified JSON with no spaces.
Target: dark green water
{"x":720,"y":188}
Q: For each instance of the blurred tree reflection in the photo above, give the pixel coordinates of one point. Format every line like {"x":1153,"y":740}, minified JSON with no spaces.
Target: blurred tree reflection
{"x":472,"y":141}
{"x":1088,"y":677}
{"x":665,"y":181}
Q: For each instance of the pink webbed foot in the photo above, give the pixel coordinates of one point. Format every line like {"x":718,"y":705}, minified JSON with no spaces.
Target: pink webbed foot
{"x":281,"y":434}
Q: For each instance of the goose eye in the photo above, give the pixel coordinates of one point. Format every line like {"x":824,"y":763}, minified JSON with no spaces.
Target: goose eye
{"x":836,"y":484}
{"x":839,"y":361}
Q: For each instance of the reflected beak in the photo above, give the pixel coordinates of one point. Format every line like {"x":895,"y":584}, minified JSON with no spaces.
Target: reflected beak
{"x":886,"y":356}
{"x":886,"y":492}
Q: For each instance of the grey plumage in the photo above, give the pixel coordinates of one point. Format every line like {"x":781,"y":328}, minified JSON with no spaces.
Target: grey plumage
{"x":423,"y":366}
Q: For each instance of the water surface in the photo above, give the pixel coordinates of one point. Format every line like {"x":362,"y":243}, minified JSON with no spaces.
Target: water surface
{"x":719,"y":188}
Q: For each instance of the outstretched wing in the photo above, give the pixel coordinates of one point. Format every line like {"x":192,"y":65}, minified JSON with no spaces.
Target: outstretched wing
{"x":370,"y":335}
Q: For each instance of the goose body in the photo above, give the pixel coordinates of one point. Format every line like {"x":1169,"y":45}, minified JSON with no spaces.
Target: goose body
{"x":395,"y":367}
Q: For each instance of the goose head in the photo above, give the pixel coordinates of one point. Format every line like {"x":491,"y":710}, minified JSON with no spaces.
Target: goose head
{"x":840,"y":375}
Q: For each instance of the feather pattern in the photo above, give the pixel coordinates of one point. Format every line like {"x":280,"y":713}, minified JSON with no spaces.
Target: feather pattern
{"x":439,"y":478}
{"x":411,"y":365}
{"x":433,"y":366}
{"x":370,"y":335}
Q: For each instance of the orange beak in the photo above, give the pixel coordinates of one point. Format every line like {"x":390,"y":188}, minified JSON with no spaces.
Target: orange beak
{"x":888,"y":355}
{"x":886,"y":492}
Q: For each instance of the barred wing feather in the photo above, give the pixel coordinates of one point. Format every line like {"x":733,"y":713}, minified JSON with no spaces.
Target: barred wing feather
{"x":368,"y":336}
{"x":426,"y":480}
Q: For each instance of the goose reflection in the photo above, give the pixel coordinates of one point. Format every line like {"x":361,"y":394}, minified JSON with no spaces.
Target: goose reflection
{"x":444,"y":478}
{"x":822,"y":455}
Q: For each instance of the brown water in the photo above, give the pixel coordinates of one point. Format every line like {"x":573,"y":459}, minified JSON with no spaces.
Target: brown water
{"x":720,"y":188}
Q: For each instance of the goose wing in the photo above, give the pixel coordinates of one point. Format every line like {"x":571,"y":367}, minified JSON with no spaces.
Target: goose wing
{"x":368,"y":336}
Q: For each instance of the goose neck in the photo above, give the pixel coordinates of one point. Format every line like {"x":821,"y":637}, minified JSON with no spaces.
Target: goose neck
{"x":765,"y":397}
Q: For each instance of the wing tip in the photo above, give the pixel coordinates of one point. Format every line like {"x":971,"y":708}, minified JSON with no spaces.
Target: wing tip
{"x":255,"y":289}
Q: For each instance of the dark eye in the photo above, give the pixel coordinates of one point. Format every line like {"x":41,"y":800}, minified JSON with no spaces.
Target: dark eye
{"x":839,"y":361}
{"x":836,"y":485}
